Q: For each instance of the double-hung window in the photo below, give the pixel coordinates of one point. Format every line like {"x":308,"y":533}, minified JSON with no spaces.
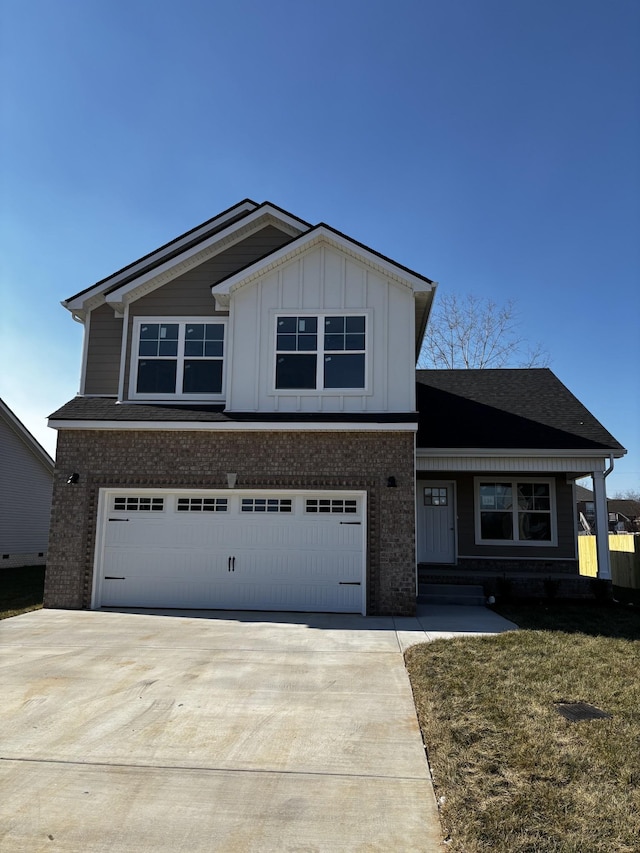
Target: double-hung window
{"x":515,"y":512}
{"x":321,"y":352}
{"x":178,"y":358}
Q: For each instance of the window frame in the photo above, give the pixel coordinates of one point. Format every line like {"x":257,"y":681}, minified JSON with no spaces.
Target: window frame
{"x":321,"y":352}
{"x":180,"y":358}
{"x":514,"y":481}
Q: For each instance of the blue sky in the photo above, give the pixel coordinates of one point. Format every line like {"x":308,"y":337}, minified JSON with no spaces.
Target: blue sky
{"x":492,"y":145}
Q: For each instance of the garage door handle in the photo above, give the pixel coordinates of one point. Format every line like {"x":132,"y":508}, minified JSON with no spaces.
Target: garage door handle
{"x":350,"y":522}
{"x":118,"y":519}
{"x":231,"y":564}
{"x":348,"y":583}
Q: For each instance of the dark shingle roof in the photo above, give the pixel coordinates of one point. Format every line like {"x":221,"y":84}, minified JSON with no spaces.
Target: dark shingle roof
{"x":524,"y":408}
{"x":108,"y":409}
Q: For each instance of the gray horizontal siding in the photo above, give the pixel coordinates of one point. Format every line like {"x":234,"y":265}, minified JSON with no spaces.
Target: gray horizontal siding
{"x":190,"y":294}
{"x":25,"y":496}
{"x":103,"y":352}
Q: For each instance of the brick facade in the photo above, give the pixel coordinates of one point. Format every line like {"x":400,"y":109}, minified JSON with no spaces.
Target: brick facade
{"x":201,"y":459}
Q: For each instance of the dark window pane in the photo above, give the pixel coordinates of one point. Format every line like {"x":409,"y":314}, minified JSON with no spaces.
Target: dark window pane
{"x":344,"y":371}
{"x":535,"y":525}
{"x":213,"y":348}
{"x":286,"y":342}
{"x":308,"y":325}
{"x":148,"y":348}
{"x":202,"y":377}
{"x":355,"y":342}
{"x":287,"y":325}
{"x":168,"y":347}
{"x":169,"y":331}
{"x":149,"y":332}
{"x":334,"y":342}
{"x":307,"y":343}
{"x":193,"y":347}
{"x":214,"y":332}
{"x":355,"y":324}
{"x":296,"y":371}
{"x":194,"y":332}
{"x":156,"y":377}
{"x":496,"y":525}
{"x":333,"y":325}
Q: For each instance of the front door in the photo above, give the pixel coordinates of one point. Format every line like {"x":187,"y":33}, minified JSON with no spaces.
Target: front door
{"x":436,"y":521}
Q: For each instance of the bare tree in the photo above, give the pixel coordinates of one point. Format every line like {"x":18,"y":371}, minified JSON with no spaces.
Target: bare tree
{"x":472,"y":332}
{"x":628,"y":495}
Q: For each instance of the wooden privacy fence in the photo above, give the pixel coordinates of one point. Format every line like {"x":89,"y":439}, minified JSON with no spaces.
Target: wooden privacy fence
{"x":625,"y":559}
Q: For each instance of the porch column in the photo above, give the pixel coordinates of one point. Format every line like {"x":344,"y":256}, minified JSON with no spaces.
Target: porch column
{"x":602,"y":525}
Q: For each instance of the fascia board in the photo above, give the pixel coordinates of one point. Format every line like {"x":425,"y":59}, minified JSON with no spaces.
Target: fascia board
{"x":78,"y":303}
{"x":500,"y":453}
{"x":23,"y":433}
{"x":234,"y":426}
{"x":322,"y":233}
{"x":248,"y":223}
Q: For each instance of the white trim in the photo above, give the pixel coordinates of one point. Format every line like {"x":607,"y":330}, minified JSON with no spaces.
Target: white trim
{"x":514,"y":479}
{"x":236,"y":426}
{"x":182,"y":323}
{"x":105,"y":494}
{"x":123,"y":353}
{"x":322,"y":234}
{"x":85,"y":352}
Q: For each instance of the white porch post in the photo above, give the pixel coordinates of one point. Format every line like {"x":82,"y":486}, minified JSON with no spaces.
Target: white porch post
{"x":602,"y":525}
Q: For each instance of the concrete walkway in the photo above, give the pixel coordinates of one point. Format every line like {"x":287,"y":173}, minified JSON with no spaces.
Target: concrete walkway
{"x":215,"y":731}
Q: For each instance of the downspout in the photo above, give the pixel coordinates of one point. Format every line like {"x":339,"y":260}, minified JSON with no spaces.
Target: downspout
{"x":602,"y":526}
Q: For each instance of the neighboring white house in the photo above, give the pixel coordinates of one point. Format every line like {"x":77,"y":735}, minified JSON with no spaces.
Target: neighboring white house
{"x":26,"y":481}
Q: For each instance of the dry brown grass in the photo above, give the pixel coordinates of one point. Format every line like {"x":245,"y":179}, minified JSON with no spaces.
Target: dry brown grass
{"x":516,"y":776}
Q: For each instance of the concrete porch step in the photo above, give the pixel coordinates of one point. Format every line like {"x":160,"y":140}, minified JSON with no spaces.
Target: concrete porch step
{"x":450,"y":593}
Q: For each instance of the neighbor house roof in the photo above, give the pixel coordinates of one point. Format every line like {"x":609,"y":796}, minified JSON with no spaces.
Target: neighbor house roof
{"x":505,"y":408}
{"x":23,"y":433}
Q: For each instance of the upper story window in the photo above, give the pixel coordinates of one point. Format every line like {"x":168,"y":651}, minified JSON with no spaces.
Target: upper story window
{"x":177,"y":358}
{"x":320,"y":352}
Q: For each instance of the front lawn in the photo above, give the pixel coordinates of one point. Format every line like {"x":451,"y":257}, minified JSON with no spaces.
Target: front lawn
{"x":21,"y":590}
{"x":511,"y":773}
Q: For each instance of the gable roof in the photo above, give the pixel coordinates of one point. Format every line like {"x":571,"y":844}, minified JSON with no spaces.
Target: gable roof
{"x":505,"y":408}
{"x":583,"y":495}
{"x":211,"y":236}
{"x":23,"y":433}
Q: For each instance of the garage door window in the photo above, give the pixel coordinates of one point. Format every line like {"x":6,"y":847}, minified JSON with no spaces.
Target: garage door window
{"x":202,"y":505}
{"x":138,"y":504}
{"x":333,"y":505}
{"x":266,"y":505}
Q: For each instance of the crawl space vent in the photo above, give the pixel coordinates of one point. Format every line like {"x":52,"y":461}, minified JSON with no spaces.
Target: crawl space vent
{"x":577,"y":711}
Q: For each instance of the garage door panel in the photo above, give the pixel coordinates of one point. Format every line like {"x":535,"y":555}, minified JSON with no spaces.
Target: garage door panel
{"x":275,"y":560}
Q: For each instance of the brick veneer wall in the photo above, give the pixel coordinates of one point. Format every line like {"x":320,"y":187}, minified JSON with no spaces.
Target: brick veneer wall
{"x":201,"y":459}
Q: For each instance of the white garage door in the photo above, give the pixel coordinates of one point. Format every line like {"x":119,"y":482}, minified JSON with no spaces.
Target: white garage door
{"x":236,"y":550}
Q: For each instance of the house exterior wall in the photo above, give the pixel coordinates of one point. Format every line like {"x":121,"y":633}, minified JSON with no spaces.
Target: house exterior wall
{"x":25,"y":501}
{"x":104,"y":331}
{"x":322,"y":279}
{"x":274,"y":460}
{"x":189,"y":295}
{"x":465,"y":507}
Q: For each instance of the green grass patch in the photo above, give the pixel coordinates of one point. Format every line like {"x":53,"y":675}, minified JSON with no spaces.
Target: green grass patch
{"x":21,"y":590}
{"x":516,"y":776}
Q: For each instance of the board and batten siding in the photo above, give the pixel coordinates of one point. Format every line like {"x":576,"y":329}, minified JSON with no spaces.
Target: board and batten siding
{"x":25,"y":498}
{"x":465,"y":507}
{"x":102,"y":367}
{"x":322,"y":279}
{"x":189,"y":295}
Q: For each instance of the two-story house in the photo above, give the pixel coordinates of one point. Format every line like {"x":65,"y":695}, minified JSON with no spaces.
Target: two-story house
{"x":250,"y":434}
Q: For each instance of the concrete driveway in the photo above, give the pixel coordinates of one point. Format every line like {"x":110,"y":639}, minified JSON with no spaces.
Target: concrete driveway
{"x":210,"y":732}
